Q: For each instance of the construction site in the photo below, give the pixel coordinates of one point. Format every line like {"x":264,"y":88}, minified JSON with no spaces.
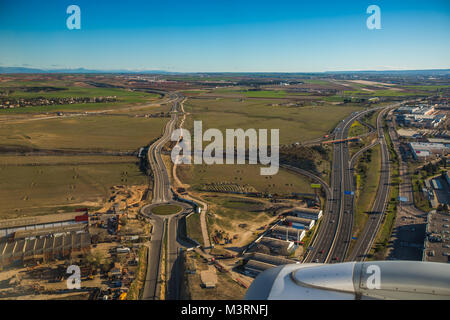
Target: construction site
{"x":107,"y":246}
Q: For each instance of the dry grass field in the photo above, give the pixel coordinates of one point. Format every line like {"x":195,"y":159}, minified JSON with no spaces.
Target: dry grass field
{"x":87,"y":132}
{"x":44,"y":185}
{"x":296,"y":124}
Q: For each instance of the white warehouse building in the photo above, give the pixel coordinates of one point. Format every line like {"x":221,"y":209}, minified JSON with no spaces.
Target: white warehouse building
{"x":306,"y":213}
{"x":421,"y":150}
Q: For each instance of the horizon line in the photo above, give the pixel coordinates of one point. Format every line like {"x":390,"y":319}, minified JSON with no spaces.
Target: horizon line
{"x":62,"y":69}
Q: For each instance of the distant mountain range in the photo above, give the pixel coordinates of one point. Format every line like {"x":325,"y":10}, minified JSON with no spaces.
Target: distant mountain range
{"x":77,"y":70}
{"x":426,"y":72}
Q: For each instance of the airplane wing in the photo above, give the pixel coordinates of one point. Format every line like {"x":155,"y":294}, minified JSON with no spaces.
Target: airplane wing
{"x":405,"y":280}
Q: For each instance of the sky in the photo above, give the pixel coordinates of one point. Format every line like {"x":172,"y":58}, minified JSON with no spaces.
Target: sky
{"x":226,"y":35}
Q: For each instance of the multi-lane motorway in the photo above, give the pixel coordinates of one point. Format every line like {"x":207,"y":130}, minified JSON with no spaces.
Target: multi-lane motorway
{"x":365,"y":240}
{"x":333,"y":239}
{"x":331,"y":242}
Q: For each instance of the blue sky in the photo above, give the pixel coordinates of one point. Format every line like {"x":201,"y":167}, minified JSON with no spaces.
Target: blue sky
{"x":226,"y":35}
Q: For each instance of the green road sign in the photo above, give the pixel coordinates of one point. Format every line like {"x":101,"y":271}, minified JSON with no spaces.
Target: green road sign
{"x":315,"y":185}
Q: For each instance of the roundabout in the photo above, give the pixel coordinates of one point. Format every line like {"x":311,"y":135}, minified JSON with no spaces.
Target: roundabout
{"x":166,"y":209}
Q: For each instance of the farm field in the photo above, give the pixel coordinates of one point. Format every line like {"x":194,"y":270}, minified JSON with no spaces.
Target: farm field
{"x":45,"y":185}
{"x":296,"y":124}
{"x":129,"y":99}
{"x":86,"y":132}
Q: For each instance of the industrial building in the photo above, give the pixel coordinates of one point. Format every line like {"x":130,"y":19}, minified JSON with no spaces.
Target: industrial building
{"x":277,"y":246}
{"x":9,"y":226}
{"x":288,"y":233}
{"x":421,"y":121}
{"x":421,"y":150}
{"x":43,"y":238}
{"x":43,"y":248}
{"x":299,"y":223}
{"x":254,"y":267}
{"x":422,"y":116}
{"x":417,"y":110}
{"x":306,"y":213}
{"x":266,"y":258}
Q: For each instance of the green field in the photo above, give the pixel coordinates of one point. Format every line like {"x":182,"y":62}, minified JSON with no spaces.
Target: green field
{"x":45,"y":185}
{"x":266,"y":94}
{"x":85,"y":132}
{"x":316,"y":81}
{"x":124,"y":97}
{"x":166,"y":209}
{"x":295,"y":123}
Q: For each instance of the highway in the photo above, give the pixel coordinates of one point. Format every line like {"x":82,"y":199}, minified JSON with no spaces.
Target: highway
{"x":365,"y":240}
{"x":335,"y":230}
{"x":166,"y":226}
{"x":152,"y":285}
{"x":367,"y":237}
{"x":344,"y":221}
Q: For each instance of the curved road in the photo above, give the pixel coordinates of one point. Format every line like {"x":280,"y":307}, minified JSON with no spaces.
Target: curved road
{"x":335,"y":230}
{"x":368,"y":235}
{"x":163,"y":226}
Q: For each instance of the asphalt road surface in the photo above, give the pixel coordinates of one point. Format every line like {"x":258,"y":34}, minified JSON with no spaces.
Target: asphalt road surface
{"x":163,"y":225}
{"x":335,"y":229}
{"x":365,"y":241}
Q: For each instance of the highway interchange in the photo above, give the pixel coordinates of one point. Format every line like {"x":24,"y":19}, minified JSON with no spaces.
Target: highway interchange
{"x":333,"y":237}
